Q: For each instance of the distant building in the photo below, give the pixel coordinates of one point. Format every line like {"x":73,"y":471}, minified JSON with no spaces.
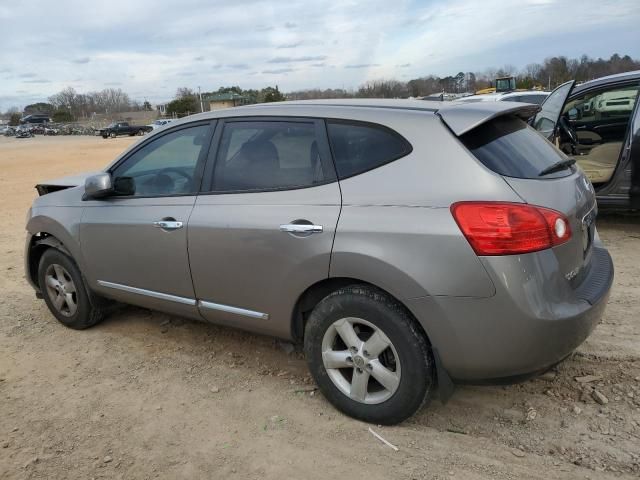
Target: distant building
{"x":219,"y":101}
{"x":162,"y":108}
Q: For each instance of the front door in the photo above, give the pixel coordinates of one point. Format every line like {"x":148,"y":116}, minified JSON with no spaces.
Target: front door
{"x":136,"y":243}
{"x":264,"y":232}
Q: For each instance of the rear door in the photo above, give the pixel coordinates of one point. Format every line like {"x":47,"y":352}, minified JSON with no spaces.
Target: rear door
{"x":263,"y":230}
{"x":546,"y":121}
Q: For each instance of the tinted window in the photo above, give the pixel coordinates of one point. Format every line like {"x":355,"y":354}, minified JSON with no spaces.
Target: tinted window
{"x":167,"y":165}
{"x":360,"y":147}
{"x":510,"y":147}
{"x":268,"y":155}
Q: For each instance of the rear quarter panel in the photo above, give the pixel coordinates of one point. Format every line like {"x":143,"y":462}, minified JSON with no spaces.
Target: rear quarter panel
{"x":396,"y":230}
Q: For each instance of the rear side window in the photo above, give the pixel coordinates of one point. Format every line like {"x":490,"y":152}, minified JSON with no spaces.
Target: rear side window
{"x":269,"y":155}
{"x":359,"y":147}
{"x":508,"y":146}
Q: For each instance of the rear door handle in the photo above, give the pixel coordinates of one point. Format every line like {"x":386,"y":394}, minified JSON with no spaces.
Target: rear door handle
{"x":301,"y":228}
{"x":168,"y":224}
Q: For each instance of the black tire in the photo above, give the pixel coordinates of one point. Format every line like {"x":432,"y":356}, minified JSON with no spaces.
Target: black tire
{"x":105,"y":136}
{"x":113,"y":134}
{"x":89,"y":312}
{"x":417,"y":378}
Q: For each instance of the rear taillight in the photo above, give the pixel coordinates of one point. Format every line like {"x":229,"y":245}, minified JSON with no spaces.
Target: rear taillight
{"x":501,"y":228}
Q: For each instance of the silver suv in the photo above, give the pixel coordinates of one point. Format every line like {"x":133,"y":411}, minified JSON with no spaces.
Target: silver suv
{"x":408,"y":245}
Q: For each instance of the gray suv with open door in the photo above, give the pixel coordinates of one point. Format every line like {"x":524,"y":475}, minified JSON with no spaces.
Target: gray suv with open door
{"x":598,"y":124}
{"x":408,"y":245}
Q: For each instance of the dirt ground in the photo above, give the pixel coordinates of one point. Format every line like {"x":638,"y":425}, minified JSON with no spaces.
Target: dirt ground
{"x":146,"y":395}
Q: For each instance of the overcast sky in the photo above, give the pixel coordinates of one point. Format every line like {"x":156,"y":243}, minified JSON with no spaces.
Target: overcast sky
{"x":151,"y":47}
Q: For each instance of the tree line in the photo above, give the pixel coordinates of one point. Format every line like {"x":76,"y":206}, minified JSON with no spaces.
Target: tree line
{"x":69,"y":105}
{"x":547,"y":75}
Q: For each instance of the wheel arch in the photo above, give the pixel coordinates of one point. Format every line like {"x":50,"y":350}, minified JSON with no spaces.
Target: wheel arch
{"x":44,"y":233}
{"x":315,"y":293}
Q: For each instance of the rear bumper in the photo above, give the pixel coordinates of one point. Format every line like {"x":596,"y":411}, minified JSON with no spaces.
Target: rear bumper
{"x":534,"y":321}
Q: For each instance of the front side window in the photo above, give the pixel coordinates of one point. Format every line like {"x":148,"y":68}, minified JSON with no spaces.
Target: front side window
{"x":165,"y":166}
{"x":359,"y":147}
{"x":268,"y":155}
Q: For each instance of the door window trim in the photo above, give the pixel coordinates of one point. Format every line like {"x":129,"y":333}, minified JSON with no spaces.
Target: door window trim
{"x":214,"y":151}
{"x":200,"y":164}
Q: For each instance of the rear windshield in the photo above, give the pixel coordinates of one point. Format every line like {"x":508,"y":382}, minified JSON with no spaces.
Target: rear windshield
{"x":508,"y":146}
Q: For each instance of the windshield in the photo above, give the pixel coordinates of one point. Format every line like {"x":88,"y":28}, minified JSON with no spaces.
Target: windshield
{"x":545,"y":121}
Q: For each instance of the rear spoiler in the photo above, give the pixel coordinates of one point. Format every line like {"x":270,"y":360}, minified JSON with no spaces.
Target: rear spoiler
{"x":464,"y":117}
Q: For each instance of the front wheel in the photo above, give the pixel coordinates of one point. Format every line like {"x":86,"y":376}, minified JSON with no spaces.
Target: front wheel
{"x":65,"y":292}
{"x":368,"y":356}
{"x":113,"y":135}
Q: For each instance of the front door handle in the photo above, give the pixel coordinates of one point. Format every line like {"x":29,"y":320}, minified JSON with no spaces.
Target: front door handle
{"x":301,"y":228}
{"x":168,"y":224}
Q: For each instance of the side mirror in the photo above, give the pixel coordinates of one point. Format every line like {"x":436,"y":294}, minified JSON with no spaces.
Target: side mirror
{"x":573,"y":114}
{"x":125,"y":186}
{"x":97,"y":186}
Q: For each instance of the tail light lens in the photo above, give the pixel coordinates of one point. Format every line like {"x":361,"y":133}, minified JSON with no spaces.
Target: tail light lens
{"x":501,"y":228}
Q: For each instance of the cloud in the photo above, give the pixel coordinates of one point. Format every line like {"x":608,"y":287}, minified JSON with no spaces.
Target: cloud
{"x":113,"y":84}
{"x":238,"y":66}
{"x":289,"y":45}
{"x":278,"y":70}
{"x":37,"y":80}
{"x":317,"y":58}
{"x":362,"y":65}
{"x":368,"y":40}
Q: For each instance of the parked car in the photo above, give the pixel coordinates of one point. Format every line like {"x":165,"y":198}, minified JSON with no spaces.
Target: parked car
{"x":598,"y":124}
{"x":532,"y":96}
{"x":23,"y":131}
{"x":407,"y":244}
{"x":161,"y":122}
{"x":7,"y":130}
{"x":35,"y":118}
{"x":123,"y":128}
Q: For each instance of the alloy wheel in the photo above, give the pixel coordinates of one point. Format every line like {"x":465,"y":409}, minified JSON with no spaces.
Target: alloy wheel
{"x":61,"y":290}
{"x":360,"y":360}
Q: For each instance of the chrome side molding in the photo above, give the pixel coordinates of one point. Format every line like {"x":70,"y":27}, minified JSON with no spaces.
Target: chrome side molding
{"x":185,"y":301}
{"x":236,"y":310}
{"x":148,"y":293}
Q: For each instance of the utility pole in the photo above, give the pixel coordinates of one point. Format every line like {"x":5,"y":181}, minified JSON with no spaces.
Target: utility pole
{"x":201,"y":104}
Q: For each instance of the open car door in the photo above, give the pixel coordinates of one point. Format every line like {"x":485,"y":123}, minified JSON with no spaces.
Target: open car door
{"x":547,"y":119}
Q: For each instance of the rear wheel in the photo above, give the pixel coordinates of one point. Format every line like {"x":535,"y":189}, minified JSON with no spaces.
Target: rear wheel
{"x":65,"y":292}
{"x":367,"y":355}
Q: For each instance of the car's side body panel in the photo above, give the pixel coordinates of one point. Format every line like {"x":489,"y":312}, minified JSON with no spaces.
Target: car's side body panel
{"x":240,"y":258}
{"x":127,"y":250}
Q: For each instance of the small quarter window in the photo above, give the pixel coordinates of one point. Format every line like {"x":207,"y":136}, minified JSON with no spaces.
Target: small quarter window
{"x":359,"y":147}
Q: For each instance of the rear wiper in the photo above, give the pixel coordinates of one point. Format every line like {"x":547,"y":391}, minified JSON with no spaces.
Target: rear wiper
{"x":556,"y":167}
